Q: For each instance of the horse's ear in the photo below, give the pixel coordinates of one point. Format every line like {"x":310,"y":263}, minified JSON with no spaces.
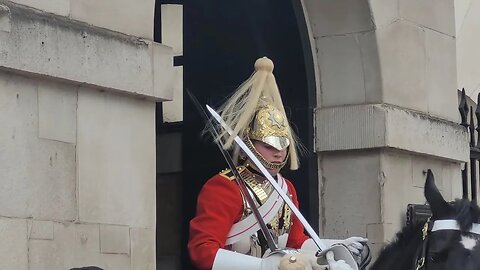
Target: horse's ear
{"x":440,"y":208}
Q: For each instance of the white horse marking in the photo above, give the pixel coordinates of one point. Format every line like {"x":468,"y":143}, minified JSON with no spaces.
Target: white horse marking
{"x":468,"y":242}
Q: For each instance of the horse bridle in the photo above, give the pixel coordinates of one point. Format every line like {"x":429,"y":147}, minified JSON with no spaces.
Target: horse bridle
{"x":437,"y":225}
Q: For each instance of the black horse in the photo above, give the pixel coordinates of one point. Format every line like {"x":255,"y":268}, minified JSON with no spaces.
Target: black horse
{"x":449,"y":240}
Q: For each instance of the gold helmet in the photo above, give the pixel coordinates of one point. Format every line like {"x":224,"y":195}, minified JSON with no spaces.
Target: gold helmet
{"x":255,"y":112}
{"x":270,"y":126}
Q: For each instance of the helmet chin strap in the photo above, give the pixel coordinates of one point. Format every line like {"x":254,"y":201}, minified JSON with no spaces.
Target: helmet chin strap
{"x":267,"y":164}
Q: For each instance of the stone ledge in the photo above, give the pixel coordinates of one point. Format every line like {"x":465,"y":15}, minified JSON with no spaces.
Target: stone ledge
{"x":386,"y":126}
{"x":47,"y":45}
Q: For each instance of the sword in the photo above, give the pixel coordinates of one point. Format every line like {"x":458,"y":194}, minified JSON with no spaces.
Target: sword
{"x":279,"y":190}
{"x":238,"y":178}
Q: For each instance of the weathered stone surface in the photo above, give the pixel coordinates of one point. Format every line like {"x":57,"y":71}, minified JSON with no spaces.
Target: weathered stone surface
{"x":165,"y":78}
{"x":371,"y":67}
{"x":341,"y":71}
{"x":14,"y":249}
{"x":172,"y":27}
{"x":371,"y":126}
{"x":435,"y":14}
{"x":45,"y":255}
{"x":379,"y":232}
{"x":441,"y":80}
{"x":130,"y":17}
{"x":467,"y":44}
{"x":384,"y":12}
{"x":401,"y":50}
{"x":57,"y":112}
{"x":338,"y":17}
{"x":53,"y":46}
{"x":360,"y":171}
{"x":173,"y":110}
{"x":116,"y":159}
{"x":40,"y":230}
{"x":143,"y":248}
{"x":59,"y":7}
{"x":114,"y":239}
{"x":5,"y":17}
{"x":38,"y":176}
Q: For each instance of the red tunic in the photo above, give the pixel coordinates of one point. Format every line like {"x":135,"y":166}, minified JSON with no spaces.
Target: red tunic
{"x":219,"y":206}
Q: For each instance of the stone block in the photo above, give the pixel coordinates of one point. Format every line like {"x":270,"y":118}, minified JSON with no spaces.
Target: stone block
{"x":45,"y":255}
{"x":116,"y":262}
{"x":5,"y":17}
{"x":420,"y":165}
{"x":114,"y":239}
{"x":384,"y":12}
{"x":441,"y":79}
{"x":172,"y":27}
{"x":352,"y":127}
{"x":341,"y":71}
{"x":40,"y":230}
{"x":143,"y":248}
{"x":371,"y":67}
{"x":467,"y":53}
{"x":401,"y":49}
{"x":371,"y":126}
{"x":59,"y":7}
{"x":116,"y":159}
{"x":462,"y":9}
{"x":338,"y":17}
{"x":57,"y":112}
{"x":130,"y":17}
{"x":165,"y":78}
{"x":426,"y":135}
{"x":173,"y":110}
{"x":38,"y":176}
{"x":435,"y":14}
{"x":360,"y":171}
{"x":74,"y":245}
{"x":453,"y":179}
{"x":397,"y":191}
{"x":14,"y":248}
{"x":47,"y":45}
{"x":379,"y":233}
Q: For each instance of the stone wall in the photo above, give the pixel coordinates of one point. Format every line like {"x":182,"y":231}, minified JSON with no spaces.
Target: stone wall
{"x":78,"y":86}
{"x":386,"y":110}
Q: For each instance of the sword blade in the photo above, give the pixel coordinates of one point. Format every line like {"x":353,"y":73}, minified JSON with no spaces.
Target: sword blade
{"x":272,"y":181}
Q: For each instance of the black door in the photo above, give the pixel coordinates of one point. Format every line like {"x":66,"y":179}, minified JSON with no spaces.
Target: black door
{"x":222,"y":40}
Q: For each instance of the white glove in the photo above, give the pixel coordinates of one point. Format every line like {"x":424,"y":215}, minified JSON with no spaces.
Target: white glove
{"x":355,"y":244}
{"x":336,"y":265}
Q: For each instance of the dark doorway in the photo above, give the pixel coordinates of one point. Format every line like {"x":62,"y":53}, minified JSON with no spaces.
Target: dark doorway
{"x":222,"y":39}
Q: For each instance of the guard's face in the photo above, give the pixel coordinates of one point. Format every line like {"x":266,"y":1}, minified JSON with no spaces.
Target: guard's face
{"x":271,"y":154}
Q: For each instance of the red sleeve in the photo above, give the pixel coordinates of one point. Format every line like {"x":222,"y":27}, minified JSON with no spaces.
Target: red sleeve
{"x":297,"y":236}
{"x":219,"y":206}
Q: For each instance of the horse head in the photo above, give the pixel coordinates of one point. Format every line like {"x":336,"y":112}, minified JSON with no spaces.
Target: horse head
{"x":448,"y":240}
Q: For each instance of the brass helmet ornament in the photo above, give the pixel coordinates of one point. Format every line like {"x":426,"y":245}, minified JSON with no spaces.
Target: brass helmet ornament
{"x":255,"y":112}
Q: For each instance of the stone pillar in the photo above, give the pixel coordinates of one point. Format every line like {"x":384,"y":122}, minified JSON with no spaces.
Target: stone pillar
{"x":79,"y":81}
{"x":387,"y":111}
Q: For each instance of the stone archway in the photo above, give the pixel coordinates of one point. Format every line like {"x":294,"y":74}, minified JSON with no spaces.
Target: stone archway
{"x":386,"y":107}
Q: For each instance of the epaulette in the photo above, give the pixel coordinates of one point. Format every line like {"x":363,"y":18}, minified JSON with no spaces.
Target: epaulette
{"x":228,"y":174}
